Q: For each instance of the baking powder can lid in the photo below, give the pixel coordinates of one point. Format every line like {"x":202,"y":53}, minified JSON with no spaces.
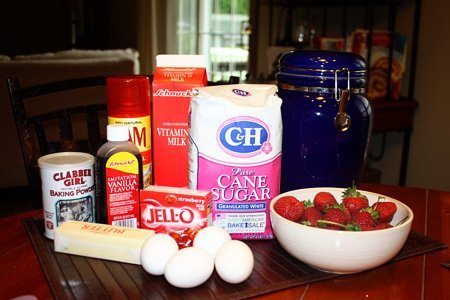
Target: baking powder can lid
{"x":63,"y":160}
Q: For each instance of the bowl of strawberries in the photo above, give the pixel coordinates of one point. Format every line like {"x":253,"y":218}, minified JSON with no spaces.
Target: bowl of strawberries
{"x":340,"y":230}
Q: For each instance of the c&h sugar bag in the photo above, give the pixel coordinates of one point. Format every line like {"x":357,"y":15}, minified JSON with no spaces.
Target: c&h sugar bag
{"x":235,"y":151}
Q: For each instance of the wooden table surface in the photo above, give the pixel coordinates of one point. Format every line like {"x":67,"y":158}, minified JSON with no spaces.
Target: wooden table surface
{"x":419,"y":277}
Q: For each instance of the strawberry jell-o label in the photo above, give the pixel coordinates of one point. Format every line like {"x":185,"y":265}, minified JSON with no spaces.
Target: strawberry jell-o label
{"x":175,"y":211}
{"x":235,"y":151}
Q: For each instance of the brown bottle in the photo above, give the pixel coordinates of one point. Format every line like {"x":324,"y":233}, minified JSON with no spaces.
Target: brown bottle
{"x":118,"y":179}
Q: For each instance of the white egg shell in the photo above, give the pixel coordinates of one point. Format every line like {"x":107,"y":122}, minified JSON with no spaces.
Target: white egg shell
{"x":211,"y":239}
{"x":189,"y":267}
{"x":156,"y":252}
{"x":234,"y":262}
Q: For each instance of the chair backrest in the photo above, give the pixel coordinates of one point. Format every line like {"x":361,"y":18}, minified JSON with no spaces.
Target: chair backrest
{"x":33,"y":129}
{"x":231,"y":80}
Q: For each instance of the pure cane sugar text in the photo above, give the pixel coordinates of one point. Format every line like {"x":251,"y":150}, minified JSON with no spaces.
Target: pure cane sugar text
{"x":68,"y":190}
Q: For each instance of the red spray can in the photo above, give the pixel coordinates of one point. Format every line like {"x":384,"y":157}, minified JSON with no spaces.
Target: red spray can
{"x":129,"y":104}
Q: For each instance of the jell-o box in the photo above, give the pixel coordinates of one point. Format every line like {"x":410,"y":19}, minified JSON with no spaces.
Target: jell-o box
{"x":175,"y":77}
{"x":178,"y":212}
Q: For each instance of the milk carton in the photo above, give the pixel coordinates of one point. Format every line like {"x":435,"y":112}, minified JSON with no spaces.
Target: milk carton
{"x":174,"y":78}
{"x":235,"y":151}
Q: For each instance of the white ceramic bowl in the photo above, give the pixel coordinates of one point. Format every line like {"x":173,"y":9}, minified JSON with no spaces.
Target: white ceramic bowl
{"x":342,"y":252}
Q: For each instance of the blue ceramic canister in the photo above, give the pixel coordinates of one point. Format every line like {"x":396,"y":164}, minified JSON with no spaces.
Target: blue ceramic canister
{"x":327,"y":120}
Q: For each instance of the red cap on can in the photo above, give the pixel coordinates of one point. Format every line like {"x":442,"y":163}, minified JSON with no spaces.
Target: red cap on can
{"x":128,"y":96}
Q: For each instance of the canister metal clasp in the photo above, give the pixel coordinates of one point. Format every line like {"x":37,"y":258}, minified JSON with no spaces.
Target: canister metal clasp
{"x":342,"y":120}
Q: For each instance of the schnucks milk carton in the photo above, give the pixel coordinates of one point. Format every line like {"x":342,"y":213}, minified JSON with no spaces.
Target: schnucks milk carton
{"x":235,"y":152}
{"x":173,"y":81}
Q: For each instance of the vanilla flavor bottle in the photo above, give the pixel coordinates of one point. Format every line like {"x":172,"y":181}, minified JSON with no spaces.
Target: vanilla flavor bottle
{"x":118,"y":179}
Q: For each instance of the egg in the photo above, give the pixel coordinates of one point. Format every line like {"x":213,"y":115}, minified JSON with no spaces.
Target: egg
{"x":189,"y":267}
{"x":234,"y":262}
{"x":211,"y":239}
{"x":156,"y":252}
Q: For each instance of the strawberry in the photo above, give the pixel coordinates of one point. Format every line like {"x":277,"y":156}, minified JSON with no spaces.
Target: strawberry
{"x":386,"y":210}
{"x":334,"y":215}
{"x":289,"y":207}
{"x":310,"y":216}
{"x":367,"y":228}
{"x":353,"y":200}
{"x":364,"y":220}
{"x":382,"y":226}
{"x":341,"y":206}
{"x":322,"y":200}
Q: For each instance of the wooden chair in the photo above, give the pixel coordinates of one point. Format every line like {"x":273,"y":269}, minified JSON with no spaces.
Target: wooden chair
{"x":33,"y":129}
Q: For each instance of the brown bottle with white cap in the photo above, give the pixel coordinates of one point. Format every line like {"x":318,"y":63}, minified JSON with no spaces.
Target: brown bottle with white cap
{"x":118,"y":179}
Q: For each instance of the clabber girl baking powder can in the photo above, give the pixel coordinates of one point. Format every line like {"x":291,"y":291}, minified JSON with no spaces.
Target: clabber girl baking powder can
{"x":68,"y":191}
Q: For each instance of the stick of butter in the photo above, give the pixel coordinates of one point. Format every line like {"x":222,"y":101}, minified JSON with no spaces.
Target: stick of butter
{"x":101,"y":241}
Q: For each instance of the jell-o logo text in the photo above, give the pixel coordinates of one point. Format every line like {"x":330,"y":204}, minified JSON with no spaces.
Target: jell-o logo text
{"x":169,"y":215}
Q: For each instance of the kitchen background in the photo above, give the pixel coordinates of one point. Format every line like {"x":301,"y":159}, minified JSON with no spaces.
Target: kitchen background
{"x":28,"y":27}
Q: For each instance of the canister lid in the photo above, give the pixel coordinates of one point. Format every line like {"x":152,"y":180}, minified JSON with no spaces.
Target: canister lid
{"x":322,"y":60}
{"x":65,"y":160}
{"x":319,"y":68}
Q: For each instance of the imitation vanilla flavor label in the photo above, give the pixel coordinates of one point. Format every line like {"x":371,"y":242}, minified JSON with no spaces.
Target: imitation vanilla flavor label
{"x":122,"y":190}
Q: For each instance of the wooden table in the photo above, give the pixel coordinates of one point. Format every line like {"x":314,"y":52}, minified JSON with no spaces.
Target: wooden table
{"x":413,"y":278}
